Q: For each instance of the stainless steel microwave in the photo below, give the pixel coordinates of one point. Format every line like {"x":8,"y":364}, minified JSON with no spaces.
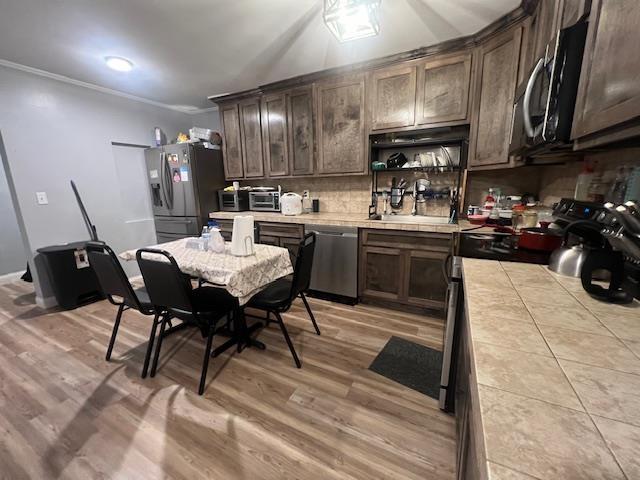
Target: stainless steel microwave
{"x":234,"y":200}
{"x":264,"y":201}
{"x":543,"y":111}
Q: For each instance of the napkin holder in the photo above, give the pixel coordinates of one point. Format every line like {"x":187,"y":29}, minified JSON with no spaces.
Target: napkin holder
{"x":242,"y":236}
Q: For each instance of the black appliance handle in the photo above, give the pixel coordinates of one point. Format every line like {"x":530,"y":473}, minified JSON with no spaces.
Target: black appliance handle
{"x":526,"y":103}
{"x":163,"y":181}
{"x":593,"y":227}
{"x":168,"y":182}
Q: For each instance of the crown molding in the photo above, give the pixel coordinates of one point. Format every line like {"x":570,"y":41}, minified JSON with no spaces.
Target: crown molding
{"x":98,"y":88}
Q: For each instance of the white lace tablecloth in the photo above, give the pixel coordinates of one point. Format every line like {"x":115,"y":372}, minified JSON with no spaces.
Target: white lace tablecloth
{"x":242,"y":277}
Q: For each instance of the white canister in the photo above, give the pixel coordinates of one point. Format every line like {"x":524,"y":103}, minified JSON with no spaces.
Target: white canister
{"x":242,"y":236}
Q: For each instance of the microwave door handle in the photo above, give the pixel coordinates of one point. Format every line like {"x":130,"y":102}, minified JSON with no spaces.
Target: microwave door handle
{"x":526,"y":111}
{"x":556,"y":52}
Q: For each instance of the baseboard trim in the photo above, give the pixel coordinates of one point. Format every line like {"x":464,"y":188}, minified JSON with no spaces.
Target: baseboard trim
{"x":10,"y":277}
{"x":46,"y":302}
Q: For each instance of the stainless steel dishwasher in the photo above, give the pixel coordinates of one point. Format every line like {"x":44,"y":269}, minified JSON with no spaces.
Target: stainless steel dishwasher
{"x":335,"y":262}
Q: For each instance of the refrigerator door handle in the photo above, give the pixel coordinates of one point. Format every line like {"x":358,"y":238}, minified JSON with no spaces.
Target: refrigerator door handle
{"x":163,"y":182}
{"x":168,"y":182}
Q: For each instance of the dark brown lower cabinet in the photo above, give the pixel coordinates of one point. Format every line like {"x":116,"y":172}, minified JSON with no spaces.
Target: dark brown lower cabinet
{"x":278,"y":234}
{"x":403,"y":268}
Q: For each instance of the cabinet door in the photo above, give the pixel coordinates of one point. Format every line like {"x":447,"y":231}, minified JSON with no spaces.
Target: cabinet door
{"x":269,"y":240}
{"x":251,"y":136}
{"x":274,"y":134}
{"x":393,"y":97}
{"x":493,"y":100}
{"x":382,"y":272}
{"x":546,"y":20}
{"x":300,"y":123}
{"x":341,"y":126}
{"x":443,"y":90}
{"x":609,"y":91}
{"x":425,"y":279}
{"x":231,"y":145}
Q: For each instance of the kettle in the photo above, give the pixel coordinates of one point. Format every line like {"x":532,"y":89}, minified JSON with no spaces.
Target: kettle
{"x":568,"y":259}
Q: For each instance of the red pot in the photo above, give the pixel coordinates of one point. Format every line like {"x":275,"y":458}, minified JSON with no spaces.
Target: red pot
{"x":541,"y":239}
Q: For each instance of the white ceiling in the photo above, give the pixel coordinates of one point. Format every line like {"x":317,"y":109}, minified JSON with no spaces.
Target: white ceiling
{"x":187,"y":50}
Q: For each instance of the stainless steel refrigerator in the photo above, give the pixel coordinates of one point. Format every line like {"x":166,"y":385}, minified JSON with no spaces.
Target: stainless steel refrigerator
{"x":184,"y":180}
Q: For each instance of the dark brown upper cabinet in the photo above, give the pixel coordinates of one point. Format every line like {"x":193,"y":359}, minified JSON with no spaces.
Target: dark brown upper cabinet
{"x":546,"y":21}
{"x":609,"y":91}
{"x":300,"y":123}
{"x":393,"y":97}
{"x":443,"y":90}
{"x":251,"y":136}
{"x":495,"y":85}
{"x":231,"y":145}
{"x":341,"y":126}
{"x":274,"y":134}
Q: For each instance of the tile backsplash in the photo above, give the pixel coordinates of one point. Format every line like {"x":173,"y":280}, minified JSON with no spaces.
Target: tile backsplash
{"x":352,"y":193}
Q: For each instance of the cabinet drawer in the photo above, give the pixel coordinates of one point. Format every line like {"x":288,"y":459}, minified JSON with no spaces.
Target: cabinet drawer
{"x":439,"y":242}
{"x":281,"y":230}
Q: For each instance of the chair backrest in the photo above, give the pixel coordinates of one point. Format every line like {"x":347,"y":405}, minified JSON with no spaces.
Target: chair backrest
{"x":166,"y":285}
{"x":111,"y":277}
{"x":304,"y":264}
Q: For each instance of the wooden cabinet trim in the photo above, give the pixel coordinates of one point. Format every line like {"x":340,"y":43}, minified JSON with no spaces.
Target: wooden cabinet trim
{"x":231,"y":130}
{"x":397,"y":71}
{"x":352,"y":165}
{"x":589,"y":122}
{"x":463,"y":113}
{"x":267,"y":135}
{"x":246,"y":143}
{"x":496,"y":159}
{"x":307,"y":90}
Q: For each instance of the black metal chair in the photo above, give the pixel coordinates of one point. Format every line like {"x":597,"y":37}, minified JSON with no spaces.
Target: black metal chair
{"x":114,"y":283}
{"x":279,"y":295}
{"x":203,"y":307}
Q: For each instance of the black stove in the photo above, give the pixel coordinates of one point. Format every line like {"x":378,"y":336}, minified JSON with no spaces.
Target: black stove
{"x":504,"y":246}
{"x":498,"y":246}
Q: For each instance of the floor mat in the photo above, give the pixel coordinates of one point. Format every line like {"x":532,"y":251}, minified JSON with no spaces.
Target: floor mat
{"x":410,"y":364}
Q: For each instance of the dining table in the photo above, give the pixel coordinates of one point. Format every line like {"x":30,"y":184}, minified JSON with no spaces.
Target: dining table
{"x":241,"y":276}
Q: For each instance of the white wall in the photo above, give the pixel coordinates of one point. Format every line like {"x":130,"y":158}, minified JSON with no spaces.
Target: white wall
{"x":209,"y":119}
{"x":12,"y":256}
{"x":54,"y":132}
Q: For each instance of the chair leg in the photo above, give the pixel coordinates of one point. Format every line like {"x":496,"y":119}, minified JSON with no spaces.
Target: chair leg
{"x":152,"y":336}
{"x":163,"y":325}
{"x":313,"y":319}
{"x":205,"y":364}
{"x":286,"y":337}
{"x":116,"y":325}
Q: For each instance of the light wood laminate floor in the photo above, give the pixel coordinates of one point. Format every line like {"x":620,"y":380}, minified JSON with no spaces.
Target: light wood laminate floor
{"x":67,"y":413}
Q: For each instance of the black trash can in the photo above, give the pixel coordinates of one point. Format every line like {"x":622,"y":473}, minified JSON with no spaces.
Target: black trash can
{"x":73,"y":280}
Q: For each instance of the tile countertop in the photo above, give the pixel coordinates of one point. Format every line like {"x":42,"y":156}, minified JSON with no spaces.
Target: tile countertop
{"x":557,"y":375}
{"x":344,"y":219}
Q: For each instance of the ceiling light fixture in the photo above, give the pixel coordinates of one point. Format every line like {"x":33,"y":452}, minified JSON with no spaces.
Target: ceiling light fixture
{"x":118,"y":63}
{"x":352,"y":19}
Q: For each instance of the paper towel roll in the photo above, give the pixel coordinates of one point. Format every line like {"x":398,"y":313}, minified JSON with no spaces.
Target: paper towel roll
{"x":242,"y":236}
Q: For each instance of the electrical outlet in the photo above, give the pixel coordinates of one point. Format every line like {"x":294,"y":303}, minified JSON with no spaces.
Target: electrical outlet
{"x":42,"y":199}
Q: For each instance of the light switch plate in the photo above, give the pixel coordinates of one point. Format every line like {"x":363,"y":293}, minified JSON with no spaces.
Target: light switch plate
{"x":42,"y":199}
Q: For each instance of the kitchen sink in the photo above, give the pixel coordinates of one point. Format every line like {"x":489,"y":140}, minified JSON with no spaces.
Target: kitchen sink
{"x":432,"y":220}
